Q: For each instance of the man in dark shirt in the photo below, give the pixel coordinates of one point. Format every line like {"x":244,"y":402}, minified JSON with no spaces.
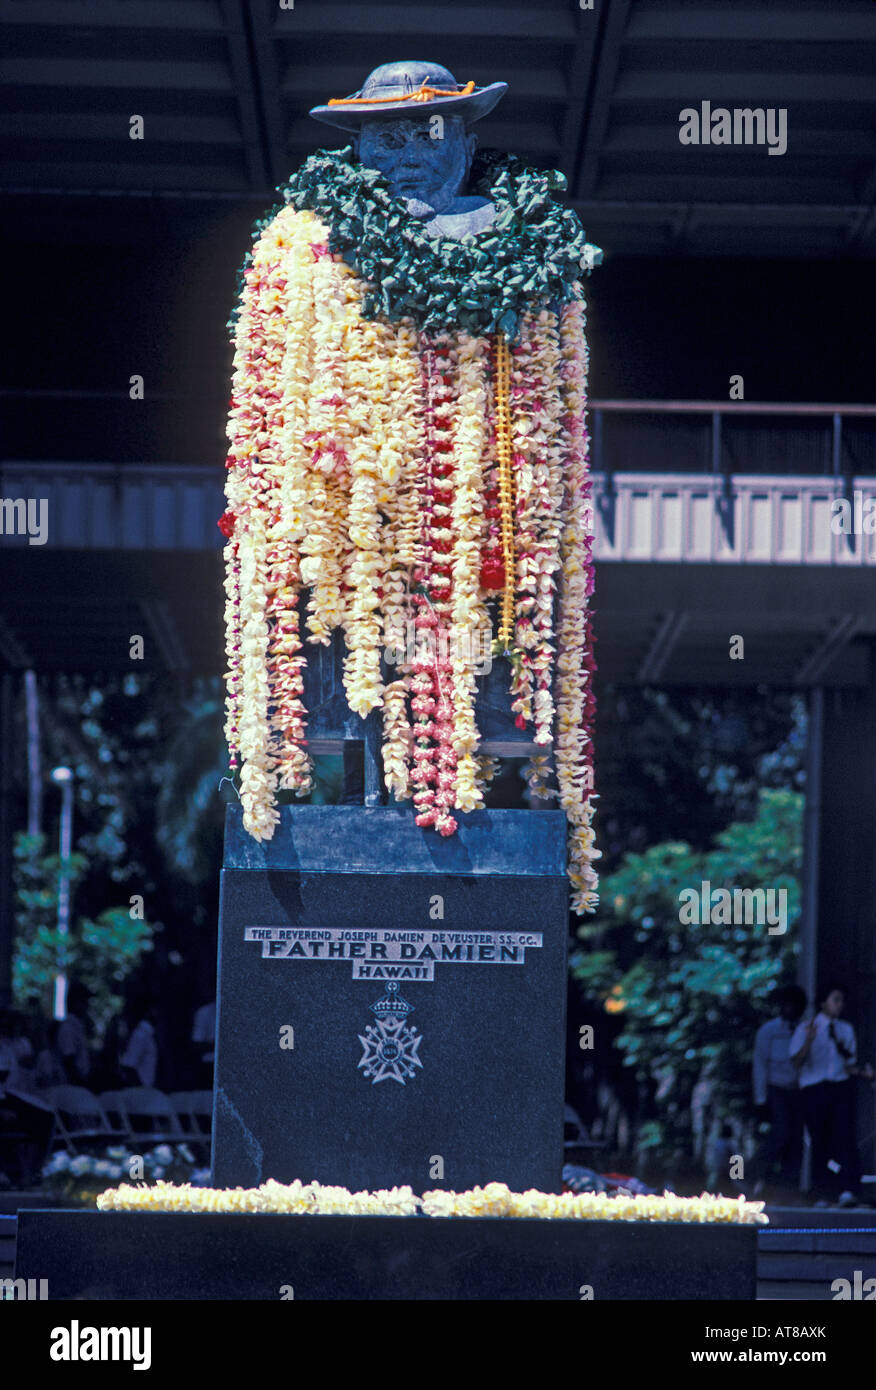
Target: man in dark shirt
{"x":777,"y":1092}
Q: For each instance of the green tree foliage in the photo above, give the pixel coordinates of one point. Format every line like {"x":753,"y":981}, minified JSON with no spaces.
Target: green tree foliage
{"x":150,"y":765}
{"x":188,"y":810}
{"x":98,"y":952}
{"x":683,"y":764}
{"x":691,"y":995}
{"x":146,"y":753}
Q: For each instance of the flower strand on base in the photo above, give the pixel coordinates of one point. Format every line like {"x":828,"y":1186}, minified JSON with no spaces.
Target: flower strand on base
{"x":494,"y":1200}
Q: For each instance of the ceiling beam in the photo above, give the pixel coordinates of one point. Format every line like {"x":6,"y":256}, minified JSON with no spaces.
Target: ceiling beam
{"x":265,"y":67}
{"x":96,"y":178}
{"x":105,"y":128}
{"x":862,"y":228}
{"x":460,"y":21}
{"x":252,"y":130}
{"x":195,"y":16}
{"x":118,"y":75}
{"x":164,"y":629}
{"x":579,"y":87}
{"x":811,"y":670}
{"x":763,"y":23}
{"x":606,"y":77}
{"x":660,"y":648}
{"x":724,"y":87}
{"x":725,"y":189}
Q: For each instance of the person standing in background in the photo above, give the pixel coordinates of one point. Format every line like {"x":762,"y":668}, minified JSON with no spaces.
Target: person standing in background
{"x":19,"y":1061}
{"x":139,"y":1061}
{"x":777,"y":1094}
{"x":204,"y":1041}
{"x":825,"y":1054}
{"x":71,"y":1040}
{"x":26,"y":1124}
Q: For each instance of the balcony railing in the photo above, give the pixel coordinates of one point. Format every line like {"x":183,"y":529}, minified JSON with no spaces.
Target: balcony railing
{"x":724,"y":437}
{"x":673,"y":481}
{"x":740,"y":520}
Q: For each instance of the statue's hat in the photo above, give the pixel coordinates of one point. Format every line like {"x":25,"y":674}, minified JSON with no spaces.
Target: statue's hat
{"x":410,"y":89}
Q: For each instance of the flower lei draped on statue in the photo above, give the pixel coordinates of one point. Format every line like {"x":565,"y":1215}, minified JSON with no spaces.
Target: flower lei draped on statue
{"x":408,"y":453}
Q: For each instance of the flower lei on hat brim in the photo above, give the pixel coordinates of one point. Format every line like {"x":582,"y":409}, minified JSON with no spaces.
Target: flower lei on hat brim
{"x":534,"y":253}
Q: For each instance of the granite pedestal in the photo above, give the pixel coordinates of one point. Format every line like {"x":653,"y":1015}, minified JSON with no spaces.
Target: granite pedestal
{"x":155,"y":1255}
{"x":392,"y":1003}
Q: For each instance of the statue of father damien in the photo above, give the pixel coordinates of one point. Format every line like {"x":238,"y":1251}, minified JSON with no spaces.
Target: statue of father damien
{"x":408,"y":453}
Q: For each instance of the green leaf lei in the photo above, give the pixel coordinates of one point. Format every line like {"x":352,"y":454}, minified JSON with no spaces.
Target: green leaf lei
{"x":533,"y":253}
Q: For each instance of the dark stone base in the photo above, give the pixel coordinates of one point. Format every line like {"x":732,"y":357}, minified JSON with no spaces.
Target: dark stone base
{"x":483,"y":1100}
{"x":157,"y":1255}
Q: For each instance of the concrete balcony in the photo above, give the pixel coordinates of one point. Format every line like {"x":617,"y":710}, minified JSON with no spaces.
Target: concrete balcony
{"x":692,"y":518}
{"x":742,"y":519}
{"x":735,"y":539}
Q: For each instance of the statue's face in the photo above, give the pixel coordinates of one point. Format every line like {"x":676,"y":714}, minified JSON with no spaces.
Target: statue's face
{"x":422,"y":159}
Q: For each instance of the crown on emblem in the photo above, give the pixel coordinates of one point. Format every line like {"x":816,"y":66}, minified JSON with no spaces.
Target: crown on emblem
{"x":392,"y":1005}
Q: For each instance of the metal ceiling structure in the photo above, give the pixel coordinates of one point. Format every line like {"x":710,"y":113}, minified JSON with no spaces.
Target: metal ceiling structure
{"x":223,"y":88}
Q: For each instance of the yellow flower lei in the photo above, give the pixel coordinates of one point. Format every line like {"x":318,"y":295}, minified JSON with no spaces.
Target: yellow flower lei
{"x":548,"y":466}
{"x":494,"y":1200}
{"x":404,"y":445}
{"x":572,"y":743}
{"x":367,"y":381}
{"x":258,"y":780}
{"x":328,"y":433}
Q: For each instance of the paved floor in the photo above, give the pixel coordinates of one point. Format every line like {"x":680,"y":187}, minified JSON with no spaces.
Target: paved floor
{"x":817,"y":1254}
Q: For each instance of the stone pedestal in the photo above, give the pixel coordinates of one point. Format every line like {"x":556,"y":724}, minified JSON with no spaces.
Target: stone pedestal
{"x":160,"y":1255}
{"x":391,"y":1003}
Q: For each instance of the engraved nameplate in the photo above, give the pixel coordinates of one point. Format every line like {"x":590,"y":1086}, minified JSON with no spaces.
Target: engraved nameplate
{"x":394,"y":955}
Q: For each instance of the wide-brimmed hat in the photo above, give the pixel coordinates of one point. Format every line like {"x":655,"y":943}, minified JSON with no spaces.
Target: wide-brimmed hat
{"x":410,"y":89}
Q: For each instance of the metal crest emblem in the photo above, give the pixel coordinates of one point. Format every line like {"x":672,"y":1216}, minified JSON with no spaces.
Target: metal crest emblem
{"x":390,"y":1046}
